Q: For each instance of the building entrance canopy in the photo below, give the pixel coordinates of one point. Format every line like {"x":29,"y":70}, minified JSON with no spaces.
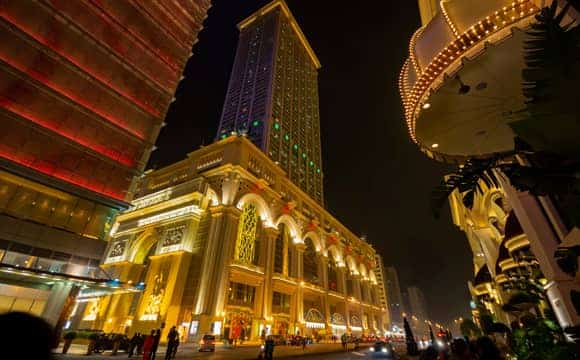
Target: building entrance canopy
{"x":462,"y":83}
{"x":90,"y":286}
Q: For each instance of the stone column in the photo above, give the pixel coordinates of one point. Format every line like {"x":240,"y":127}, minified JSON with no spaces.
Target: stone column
{"x":215,"y":273}
{"x":341,"y":279}
{"x":534,"y":217}
{"x":326,"y":305}
{"x":270,"y":235}
{"x":300,"y":248}
{"x":59,"y":305}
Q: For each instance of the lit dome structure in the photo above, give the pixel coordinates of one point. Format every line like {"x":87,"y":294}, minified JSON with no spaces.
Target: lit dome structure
{"x":461,"y":85}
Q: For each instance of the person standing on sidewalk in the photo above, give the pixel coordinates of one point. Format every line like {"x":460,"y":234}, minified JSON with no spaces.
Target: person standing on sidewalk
{"x":171,"y":338}
{"x":148,"y":345}
{"x":343,"y":341}
{"x":269,"y":348}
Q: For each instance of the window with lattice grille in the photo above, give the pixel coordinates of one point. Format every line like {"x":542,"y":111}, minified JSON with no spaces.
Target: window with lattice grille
{"x":246,"y":242}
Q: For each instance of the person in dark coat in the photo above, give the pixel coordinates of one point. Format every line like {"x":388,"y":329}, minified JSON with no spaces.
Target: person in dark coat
{"x":269,"y":348}
{"x":171,"y":338}
{"x":175,"y":347}
{"x":156,"y":339}
{"x":133,"y":344}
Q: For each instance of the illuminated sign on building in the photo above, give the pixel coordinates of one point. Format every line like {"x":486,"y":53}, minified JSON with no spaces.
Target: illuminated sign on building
{"x":186,"y":210}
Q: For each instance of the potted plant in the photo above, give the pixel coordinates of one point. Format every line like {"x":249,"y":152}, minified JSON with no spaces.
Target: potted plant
{"x":68,"y":338}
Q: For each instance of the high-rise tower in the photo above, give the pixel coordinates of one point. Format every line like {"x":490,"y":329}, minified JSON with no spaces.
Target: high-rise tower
{"x":273,"y":95}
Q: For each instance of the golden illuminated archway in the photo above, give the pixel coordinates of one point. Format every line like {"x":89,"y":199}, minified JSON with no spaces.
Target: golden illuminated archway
{"x":142,"y":247}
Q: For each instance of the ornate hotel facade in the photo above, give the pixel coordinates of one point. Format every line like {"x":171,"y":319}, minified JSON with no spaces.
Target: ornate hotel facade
{"x":503,"y":261}
{"x":228,"y":245}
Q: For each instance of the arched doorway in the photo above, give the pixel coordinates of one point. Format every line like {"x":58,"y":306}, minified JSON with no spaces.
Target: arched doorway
{"x":310,"y":262}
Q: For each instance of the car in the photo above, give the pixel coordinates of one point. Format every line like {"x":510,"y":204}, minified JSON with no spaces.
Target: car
{"x":382,"y":349}
{"x":207,"y":343}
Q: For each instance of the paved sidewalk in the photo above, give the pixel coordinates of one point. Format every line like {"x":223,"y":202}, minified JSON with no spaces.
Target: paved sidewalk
{"x":189,"y":350}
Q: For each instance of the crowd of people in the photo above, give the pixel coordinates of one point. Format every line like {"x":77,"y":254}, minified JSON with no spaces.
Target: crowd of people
{"x":14,"y":324}
{"x":146,"y":345}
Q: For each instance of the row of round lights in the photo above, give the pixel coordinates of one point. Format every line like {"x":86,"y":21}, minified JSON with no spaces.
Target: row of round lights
{"x":412,"y":54}
{"x":500,"y":19}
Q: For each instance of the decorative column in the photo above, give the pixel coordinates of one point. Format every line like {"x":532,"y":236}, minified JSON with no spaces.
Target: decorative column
{"x":358,"y":296}
{"x":539,"y":220}
{"x":219,"y":251}
{"x":326,"y":305}
{"x":300,"y":248}
{"x":270,"y":235}
{"x":59,"y":305}
{"x":341,"y":279}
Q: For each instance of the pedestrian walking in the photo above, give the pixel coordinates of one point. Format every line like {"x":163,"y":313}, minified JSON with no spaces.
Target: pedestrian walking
{"x":269,"y":348}
{"x":140,"y":342}
{"x":172,"y":336}
{"x":304,"y":343}
{"x":343,"y":341}
{"x":156,"y":339}
{"x":175,"y":346}
{"x":133,"y":344}
{"x":148,"y":345}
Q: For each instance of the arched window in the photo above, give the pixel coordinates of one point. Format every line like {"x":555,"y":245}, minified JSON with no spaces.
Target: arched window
{"x":280,"y":250}
{"x":332,"y":275}
{"x":246,"y":243}
{"x":310,"y":263}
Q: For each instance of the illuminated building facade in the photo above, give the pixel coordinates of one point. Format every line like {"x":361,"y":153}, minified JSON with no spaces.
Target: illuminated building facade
{"x":381,"y":281}
{"x":463,"y":63}
{"x":84,"y":90}
{"x":273,"y":95}
{"x":227,"y":244}
{"x":503,"y":261}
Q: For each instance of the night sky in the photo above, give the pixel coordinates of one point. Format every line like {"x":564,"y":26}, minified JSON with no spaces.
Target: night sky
{"x":376,"y":180}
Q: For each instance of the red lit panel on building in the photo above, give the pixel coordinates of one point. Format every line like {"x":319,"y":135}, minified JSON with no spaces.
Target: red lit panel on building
{"x":85,"y":85}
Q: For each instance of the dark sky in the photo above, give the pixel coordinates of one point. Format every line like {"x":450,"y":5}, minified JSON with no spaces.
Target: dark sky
{"x":376,"y":181}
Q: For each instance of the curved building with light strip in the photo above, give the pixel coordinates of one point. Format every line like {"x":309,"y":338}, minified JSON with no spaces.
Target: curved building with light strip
{"x":461,"y":87}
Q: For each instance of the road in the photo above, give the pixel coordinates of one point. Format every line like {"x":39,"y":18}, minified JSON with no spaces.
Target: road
{"x":313,"y":352}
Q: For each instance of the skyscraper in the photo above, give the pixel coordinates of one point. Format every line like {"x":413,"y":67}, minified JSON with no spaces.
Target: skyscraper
{"x":417,"y":303}
{"x":273,"y":95}
{"x":396,"y":307}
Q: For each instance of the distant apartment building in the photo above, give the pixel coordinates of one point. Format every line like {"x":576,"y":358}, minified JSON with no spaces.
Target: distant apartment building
{"x":417,"y":303}
{"x":393,"y":289}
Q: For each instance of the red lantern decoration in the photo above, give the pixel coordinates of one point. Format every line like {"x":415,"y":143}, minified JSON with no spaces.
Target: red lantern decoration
{"x":331,"y":240}
{"x":312,"y":225}
{"x":257,"y":188}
